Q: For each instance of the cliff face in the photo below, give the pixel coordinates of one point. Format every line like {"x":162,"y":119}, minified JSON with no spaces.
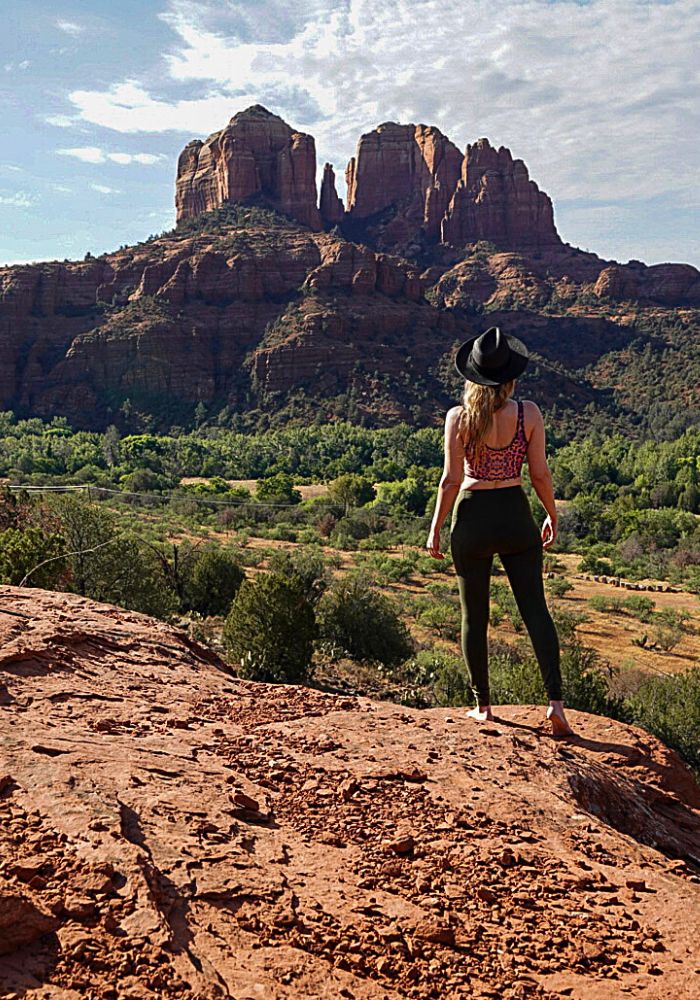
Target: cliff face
{"x":412,"y":167}
{"x":184,"y":833}
{"x":433,"y":192}
{"x":256,"y":154}
{"x":496,"y":200}
{"x":241,"y":307}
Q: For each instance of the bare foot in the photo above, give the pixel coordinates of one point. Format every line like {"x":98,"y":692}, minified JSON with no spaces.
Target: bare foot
{"x":555,"y":714}
{"x":482,"y":713}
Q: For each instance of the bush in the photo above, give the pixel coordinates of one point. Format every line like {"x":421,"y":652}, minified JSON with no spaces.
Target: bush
{"x":605,"y":604}
{"x":277,"y":489}
{"x":516,"y":679}
{"x":595,"y":565}
{"x":270,"y":630}
{"x":639,"y":606}
{"x":215,"y":580}
{"x":667,"y":637}
{"x":23,"y":550}
{"x":440,"y":676}
{"x":669,"y":707}
{"x":504,"y":600}
{"x":557,"y":586}
{"x":442,"y":618}
{"x":363,"y":621}
{"x":307,"y":566}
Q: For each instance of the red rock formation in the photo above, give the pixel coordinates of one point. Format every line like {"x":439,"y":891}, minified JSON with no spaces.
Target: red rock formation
{"x":616,"y":283}
{"x":183,"y":833}
{"x":332,"y":210}
{"x":256,"y":154}
{"x":415,"y":165}
{"x":495,"y":200}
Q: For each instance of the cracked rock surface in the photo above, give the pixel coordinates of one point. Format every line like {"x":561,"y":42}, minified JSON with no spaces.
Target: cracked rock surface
{"x":169,"y":830}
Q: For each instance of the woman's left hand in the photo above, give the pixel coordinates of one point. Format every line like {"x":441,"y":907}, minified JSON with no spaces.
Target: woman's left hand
{"x":433,"y":545}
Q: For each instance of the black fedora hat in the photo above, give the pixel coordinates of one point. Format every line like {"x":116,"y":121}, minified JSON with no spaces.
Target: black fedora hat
{"x":491,"y":358}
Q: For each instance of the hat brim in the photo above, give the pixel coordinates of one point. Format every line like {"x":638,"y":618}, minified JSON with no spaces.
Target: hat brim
{"x":516,"y":365}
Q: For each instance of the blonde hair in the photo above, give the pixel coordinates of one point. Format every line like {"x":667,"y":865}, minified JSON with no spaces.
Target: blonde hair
{"x":479,"y":403}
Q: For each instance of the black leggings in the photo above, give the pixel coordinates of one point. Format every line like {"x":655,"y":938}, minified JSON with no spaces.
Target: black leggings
{"x":486,"y":522}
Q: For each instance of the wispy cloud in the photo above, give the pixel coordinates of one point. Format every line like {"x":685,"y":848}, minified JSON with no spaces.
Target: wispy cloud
{"x":598,"y":98}
{"x":60,"y":121}
{"x":104,"y":189}
{"x":93,"y":154}
{"x":19,"y":199}
{"x":70,"y":27}
{"x":12,"y":67}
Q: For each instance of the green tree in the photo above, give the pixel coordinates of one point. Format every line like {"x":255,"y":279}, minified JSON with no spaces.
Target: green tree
{"x":363,"y":621}
{"x":306,"y":566}
{"x":277,"y":489}
{"x":351,"y":490}
{"x":216,"y":578}
{"x":24,"y":550}
{"x":270,"y":630}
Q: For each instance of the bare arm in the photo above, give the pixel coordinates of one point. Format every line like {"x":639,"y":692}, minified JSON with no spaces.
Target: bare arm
{"x":450,"y":481}
{"x":540,"y":476}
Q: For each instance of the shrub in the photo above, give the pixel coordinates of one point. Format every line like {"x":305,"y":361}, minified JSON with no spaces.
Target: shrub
{"x":442,"y":618}
{"x":504,"y":600}
{"x":516,"y":679}
{"x":270,"y":630}
{"x":605,"y":604}
{"x":23,"y":550}
{"x":215,"y":580}
{"x":432,"y":676}
{"x":639,"y":606}
{"x":667,"y":637}
{"x":669,"y":707}
{"x":307,"y":566}
{"x":557,"y":586}
{"x":363,"y":621}
{"x":595,"y":565}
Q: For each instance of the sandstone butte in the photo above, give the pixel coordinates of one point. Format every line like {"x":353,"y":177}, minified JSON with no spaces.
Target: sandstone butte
{"x":169,"y":830}
{"x":324,"y":298}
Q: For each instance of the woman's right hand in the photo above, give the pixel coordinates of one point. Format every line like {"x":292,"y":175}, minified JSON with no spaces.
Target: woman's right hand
{"x":549,"y":531}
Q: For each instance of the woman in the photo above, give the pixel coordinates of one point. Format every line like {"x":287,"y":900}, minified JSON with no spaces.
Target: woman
{"x":486,"y":442}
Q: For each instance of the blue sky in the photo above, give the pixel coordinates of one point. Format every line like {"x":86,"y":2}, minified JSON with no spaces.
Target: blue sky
{"x":599,"y":98}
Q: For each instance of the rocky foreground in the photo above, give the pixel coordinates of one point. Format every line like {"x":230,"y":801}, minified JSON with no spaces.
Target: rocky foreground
{"x":169,"y":830}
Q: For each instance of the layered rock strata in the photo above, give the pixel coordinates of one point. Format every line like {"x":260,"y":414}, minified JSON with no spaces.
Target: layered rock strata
{"x":256,"y":154}
{"x":496,"y":200}
{"x":414,"y":166}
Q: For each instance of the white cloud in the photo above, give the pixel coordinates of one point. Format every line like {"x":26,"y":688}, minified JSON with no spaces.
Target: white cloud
{"x":104,"y":189}
{"x":88,"y":154}
{"x":599,"y":98}
{"x":11,"y":67}
{"x":93,"y":154}
{"x":20,"y":199}
{"x":70,"y":27}
{"x":60,"y":121}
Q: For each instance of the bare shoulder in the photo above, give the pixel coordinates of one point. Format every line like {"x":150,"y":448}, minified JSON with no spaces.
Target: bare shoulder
{"x":453,"y":414}
{"x":531,"y":411}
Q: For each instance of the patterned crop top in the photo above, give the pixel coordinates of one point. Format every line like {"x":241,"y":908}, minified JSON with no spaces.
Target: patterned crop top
{"x":499,"y":463}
